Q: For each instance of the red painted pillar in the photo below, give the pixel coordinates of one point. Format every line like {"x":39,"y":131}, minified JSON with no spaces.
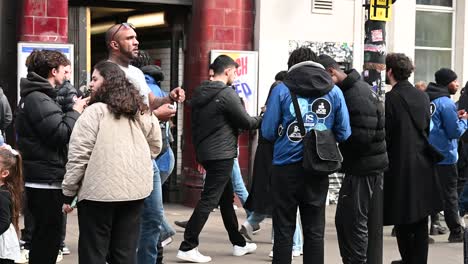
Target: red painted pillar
{"x":216,"y":24}
{"x":44,"y":21}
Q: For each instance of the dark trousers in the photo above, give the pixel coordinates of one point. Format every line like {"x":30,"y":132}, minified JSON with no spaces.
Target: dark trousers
{"x":217,"y":190}
{"x":358,"y":222}
{"x":7,"y":261}
{"x":292,"y":187}
{"x":448,"y":177}
{"x":26,"y":232}
{"x":45,"y":206}
{"x":413,"y":242}
{"x":108,"y":231}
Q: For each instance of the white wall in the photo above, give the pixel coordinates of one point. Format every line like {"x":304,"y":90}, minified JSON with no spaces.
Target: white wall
{"x":279,"y":21}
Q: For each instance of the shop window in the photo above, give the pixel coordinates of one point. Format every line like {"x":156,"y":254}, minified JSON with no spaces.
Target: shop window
{"x":434,"y":37}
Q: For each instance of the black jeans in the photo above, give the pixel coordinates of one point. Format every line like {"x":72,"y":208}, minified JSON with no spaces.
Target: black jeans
{"x":217,"y":190}
{"x":109,"y":231}
{"x":448,"y":177}
{"x":413,"y":242}
{"x":292,"y":187}
{"x":45,"y":206}
{"x":358,"y":222}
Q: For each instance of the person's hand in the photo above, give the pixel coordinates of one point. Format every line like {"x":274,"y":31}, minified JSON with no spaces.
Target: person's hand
{"x":462,"y":114}
{"x":177,"y":94}
{"x":165,"y":112}
{"x":66,"y":208}
{"x":80,"y":104}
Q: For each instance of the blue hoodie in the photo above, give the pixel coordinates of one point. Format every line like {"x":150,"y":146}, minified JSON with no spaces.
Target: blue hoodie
{"x":164,"y":160}
{"x":322,"y":107}
{"x":447,"y":127}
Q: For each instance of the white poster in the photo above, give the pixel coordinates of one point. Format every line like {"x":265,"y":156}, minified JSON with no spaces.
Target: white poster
{"x":26,"y":48}
{"x":246,"y":84}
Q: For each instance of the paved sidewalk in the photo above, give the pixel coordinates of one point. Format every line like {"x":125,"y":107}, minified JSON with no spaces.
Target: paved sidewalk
{"x":215,"y":243}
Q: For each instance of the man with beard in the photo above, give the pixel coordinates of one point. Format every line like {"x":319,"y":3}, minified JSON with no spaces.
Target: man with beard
{"x":411,"y":186}
{"x":364,"y":160}
{"x":217,"y":116}
{"x":449,"y":126}
{"x":122,"y":45}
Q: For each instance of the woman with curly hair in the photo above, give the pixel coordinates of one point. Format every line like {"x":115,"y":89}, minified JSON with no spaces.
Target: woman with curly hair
{"x":109,"y":168}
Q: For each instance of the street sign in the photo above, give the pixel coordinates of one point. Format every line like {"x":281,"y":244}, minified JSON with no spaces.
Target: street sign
{"x":380,"y":10}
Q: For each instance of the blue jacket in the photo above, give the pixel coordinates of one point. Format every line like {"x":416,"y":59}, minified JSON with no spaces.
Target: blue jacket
{"x":322,"y":107}
{"x":164,"y":160}
{"x":447,"y":127}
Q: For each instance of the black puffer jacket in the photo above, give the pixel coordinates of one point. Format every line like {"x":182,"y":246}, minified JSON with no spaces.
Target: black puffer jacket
{"x":365,"y":150}
{"x":43,"y":131}
{"x":67,"y":95}
{"x":217,"y":116}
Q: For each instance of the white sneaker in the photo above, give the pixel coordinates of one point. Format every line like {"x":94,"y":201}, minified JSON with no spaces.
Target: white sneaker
{"x":462,"y":221}
{"x":167,"y":241}
{"x":66,"y":251}
{"x":271,"y":254}
{"x":297,"y":253}
{"x":247,"y":230}
{"x":59,"y":256}
{"x":193,"y":256}
{"x":24,"y":257}
{"x":241,"y":251}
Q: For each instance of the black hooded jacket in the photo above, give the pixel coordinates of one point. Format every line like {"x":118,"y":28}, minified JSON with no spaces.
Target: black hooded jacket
{"x":365,"y":151}
{"x":217,"y":116}
{"x":308,"y":80}
{"x":435,"y":91}
{"x":43,"y":131}
{"x":67,"y":95}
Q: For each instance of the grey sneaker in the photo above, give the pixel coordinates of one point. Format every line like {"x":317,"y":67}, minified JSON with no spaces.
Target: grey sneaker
{"x":247,"y":230}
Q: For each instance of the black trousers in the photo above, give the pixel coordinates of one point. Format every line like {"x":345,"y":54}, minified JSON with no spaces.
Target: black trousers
{"x":413,"y":242}
{"x":7,"y":261}
{"x":26,"y":232}
{"x":292,"y":187}
{"x":217,"y":190}
{"x":109,"y":231}
{"x":358,"y":221}
{"x":448,"y":177}
{"x":45,"y":206}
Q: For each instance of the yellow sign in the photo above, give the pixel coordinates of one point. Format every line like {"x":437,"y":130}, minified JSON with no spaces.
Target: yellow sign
{"x":381,"y":10}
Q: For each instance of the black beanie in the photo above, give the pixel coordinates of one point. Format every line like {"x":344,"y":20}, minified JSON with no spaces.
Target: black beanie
{"x":153,"y":71}
{"x":445,"y":76}
{"x":327,"y":61}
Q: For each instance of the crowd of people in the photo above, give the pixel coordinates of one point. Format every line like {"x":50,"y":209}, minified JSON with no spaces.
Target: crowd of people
{"x":108,"y":154}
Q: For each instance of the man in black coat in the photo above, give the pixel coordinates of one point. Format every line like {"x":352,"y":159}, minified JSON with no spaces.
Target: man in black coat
{"x":412,"y":191}
{"x":217,"y":116}
{"x":44,"y":131}
{"x":364,"y":160}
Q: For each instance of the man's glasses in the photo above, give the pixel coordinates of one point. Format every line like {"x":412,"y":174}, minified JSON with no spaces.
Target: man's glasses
{"x":126,"y":25}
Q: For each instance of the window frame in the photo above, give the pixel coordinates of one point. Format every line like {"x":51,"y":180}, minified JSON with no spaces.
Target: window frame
{"x":440,"y":9}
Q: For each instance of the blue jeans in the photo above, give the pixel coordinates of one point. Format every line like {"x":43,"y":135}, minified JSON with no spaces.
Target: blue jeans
{"x":238,"y":183}
{"x":152,"y":218}
{"x":254,"y":219}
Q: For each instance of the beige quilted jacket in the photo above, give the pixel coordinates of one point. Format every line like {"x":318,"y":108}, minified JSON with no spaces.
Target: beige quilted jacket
{"x":109,"y":159}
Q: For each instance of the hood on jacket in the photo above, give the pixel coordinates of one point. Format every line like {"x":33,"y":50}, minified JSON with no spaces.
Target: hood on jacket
{"x":435,"y":91}
{"x":33,"y":82}
{"x":309,"y":79}
{"x":348,"y":82}
{"x":206,"y":92}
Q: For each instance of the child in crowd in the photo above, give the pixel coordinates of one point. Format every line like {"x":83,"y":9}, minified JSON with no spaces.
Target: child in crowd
{"x":11,"y":189}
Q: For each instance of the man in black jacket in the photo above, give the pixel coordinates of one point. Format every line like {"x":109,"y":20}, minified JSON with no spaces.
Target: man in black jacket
{"x":217,"y":116}
{"x":357,"y":218}
{"x":43,"y":134}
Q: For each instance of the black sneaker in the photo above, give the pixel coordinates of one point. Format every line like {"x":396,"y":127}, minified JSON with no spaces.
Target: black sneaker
{"x":438,"y":230}
{"x":182,"y":224}
{"x":455,"y":237}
